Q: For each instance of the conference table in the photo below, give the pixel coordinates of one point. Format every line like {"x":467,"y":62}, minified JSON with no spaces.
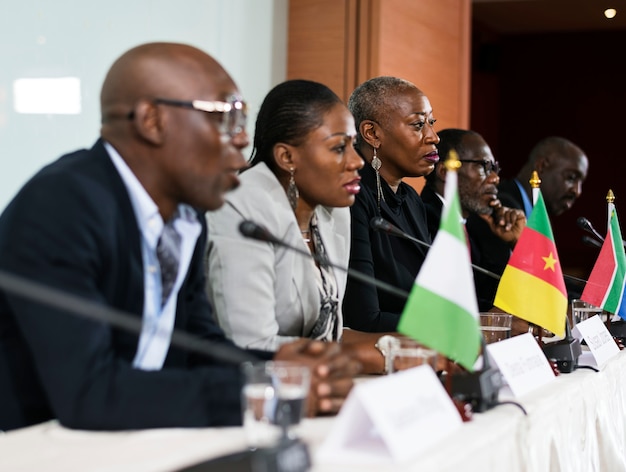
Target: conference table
{"x":575,"y":423}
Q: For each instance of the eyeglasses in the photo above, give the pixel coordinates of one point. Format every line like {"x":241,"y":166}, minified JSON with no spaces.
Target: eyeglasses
{"x":488,"y":166}
{"x":234,"y":112}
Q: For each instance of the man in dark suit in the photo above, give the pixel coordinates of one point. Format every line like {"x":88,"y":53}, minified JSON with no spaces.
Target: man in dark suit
{"x":492,"y":229}
{"x":90,"y":224}
{"x":562,"y":167}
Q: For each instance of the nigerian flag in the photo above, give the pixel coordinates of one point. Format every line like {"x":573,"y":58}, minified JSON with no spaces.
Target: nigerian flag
{"x":441,"y":311}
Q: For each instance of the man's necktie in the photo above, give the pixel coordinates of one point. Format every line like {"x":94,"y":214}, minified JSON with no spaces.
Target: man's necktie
{"x":168,"y":253}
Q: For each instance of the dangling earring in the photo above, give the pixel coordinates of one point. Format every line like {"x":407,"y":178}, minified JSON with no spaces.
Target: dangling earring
{"x":292,"y":190}
{"x":376,"y":165}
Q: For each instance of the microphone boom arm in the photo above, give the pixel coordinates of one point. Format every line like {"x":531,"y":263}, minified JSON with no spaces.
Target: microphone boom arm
{"x":252,"y":230}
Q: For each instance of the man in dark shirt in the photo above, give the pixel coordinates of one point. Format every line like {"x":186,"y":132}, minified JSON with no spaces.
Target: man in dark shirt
{"x":492,"y":229}
{"x":562,"y":167}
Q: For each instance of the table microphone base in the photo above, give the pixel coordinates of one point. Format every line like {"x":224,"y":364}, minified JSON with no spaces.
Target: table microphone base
{"x":480,"y":388}
{"x":564,"y":354}
{"x":618,"y":330}
{"x":288,"y":456}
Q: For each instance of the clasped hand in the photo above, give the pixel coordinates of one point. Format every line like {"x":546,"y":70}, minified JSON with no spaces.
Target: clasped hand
{"x":332,"y":372}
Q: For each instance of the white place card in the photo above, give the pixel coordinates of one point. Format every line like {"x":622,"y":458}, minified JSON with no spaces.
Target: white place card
{"x":600,"y":341}
{"x":391,"y":419}
{"x":522,"y":363}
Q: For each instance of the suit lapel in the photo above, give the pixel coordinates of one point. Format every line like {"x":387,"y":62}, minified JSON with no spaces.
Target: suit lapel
{"x":129,"y":236}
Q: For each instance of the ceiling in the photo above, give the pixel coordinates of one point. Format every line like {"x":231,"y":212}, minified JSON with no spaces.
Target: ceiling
{"x":546,"y":16}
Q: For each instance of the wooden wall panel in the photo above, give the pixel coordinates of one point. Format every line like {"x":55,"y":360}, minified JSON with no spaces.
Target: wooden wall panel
{"x":428,"y":43}
{"x":345,"y":42}
{"x":321,"y":44}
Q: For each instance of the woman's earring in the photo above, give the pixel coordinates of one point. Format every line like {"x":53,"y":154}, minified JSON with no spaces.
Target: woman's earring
{"x":292,"y":190}
{"x":376,"y":165}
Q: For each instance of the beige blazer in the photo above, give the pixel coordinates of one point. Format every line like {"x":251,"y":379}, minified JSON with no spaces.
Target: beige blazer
{"x":265,"y":295}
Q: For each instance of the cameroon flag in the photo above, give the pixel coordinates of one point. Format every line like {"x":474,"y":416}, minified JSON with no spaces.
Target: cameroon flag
{"x":532,"y":285}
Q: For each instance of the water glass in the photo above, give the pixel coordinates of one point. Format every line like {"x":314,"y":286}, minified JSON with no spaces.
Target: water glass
{"x":273,"y":400}
{"x":582,"y":311}
{"x":495,"y":326}
{"x":406,"y":353}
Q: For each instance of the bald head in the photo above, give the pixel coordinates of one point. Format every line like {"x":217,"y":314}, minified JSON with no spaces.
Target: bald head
{"x":178,"y":153}
{"x":562,"y":167}
{"x":152,"y":70}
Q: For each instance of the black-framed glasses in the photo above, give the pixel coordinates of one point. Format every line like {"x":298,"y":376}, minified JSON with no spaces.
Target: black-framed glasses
{"x":234,"y":112}
{"x":488,"y":166}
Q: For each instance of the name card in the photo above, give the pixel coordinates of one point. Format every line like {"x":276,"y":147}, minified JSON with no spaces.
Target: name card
{"x":522,"y":363}
{"x":598,"y":338}
{"x":391,"y":419}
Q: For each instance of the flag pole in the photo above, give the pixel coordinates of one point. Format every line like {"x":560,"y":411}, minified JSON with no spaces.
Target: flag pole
{"x":610,"y":206}
{"x":535,"y":183}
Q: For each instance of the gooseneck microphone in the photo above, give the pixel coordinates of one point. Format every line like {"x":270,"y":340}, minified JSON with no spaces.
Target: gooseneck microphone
{"x":85,"y":308}
{"x":589,"y":241}
{"x":252,"y":230}
{"x":378,"y":223}
{"x":584,"y":224}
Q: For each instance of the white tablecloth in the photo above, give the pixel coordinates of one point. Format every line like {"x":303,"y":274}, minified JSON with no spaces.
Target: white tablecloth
{"x":576,"y":423}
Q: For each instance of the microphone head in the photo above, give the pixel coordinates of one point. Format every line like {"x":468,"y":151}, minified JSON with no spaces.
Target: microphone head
{"x":583,"y":223}
{"x":378,"y":223}
{"x":252,"y":230}
{"x":590,"y":241}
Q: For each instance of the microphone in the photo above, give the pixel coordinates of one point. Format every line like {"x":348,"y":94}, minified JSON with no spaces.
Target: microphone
{"x":481,"y":388}
{"x":564,"y":353}
{"x":378,"y":223}
{"x":252,"y":230}
{"x":85,"y":308}
{"x":591,"y":241}
{"x":584,"y":224}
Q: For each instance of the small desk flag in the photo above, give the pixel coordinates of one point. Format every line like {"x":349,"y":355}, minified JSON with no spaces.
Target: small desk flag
{"x":605,"y":287}
{"x":442,"y":312}
{"x":532,"y":285}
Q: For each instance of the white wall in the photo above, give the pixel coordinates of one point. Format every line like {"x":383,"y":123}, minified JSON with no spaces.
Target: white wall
{"x":78,"y":38}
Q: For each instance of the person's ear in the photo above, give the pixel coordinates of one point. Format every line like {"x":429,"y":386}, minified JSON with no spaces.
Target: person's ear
{"x":149,"y":123}
{"x":369,"y":130}
{"x":283,"y":156}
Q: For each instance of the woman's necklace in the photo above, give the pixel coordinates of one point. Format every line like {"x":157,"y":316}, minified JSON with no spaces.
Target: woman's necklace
{"x":306,"y":235}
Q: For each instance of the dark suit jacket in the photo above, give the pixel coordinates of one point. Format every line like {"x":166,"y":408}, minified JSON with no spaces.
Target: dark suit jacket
{"x":509,"y":194}
{"x":434,"y":207}
{"x":388,"y":258}
{"x":72,"y":227}
{"x":486,"y":249}
{"x":489,"y":252}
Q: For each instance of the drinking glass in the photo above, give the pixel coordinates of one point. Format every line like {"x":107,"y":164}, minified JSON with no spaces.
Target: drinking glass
{"x":495,"y":326}
{"x":407,"y":353}
{"x":273,"y":400}
{"x":582,"y":311}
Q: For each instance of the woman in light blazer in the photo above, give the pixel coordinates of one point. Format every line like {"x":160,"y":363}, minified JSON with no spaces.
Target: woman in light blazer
{"x":303,"y":176}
